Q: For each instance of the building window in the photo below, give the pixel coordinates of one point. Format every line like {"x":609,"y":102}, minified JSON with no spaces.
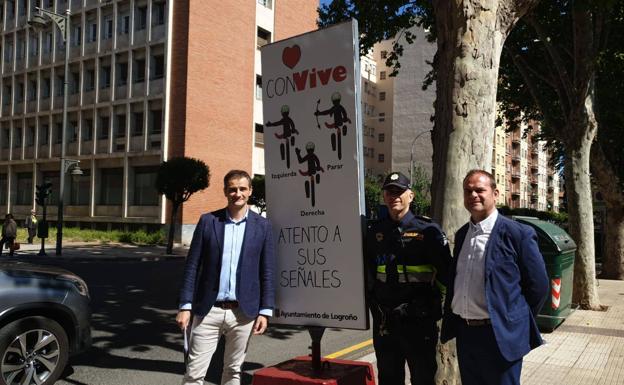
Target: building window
{"x":17,"y":137}
{"x":6,"y":137}
{"x":60,"y":83}
{"x":45,"y":88}
{"x":92,"y":32}
{"x":59,"y":133}
{"x":76,"y":36}
{"x":382,"y":75}
{"x":47,"y":42}
{"x":259,"y":128}
{"x":30,"y":136}
{"x":382,"y":138}
{"x":19,"y":93}
{"x":384,"y":54}
{"x":75,"y":82}
{"x":32,"y":90}
{"x":264,"y":37}
{"x":120,"y":127}
{"x":158,"y":69}
{"x":266,"y":3}
{"x":145,"y":193}
{"x":258,"y":87}
{"x":79,"y":189}
{"x":137,"y":123}
{"x":124,"y":25}
{"x":108,"y":28}
{"x":380,"y":158}
{"x":141,"y":18}
{"x":139,"y":70}
{"x":105,"y":77}
{"x":23,"y":191}
{"x":158,"y":13}
{"x":156,"y":122}
{"x":44,"y":134}
{"x":3,"y":189}
{"x":89,"y":83}
{"x":87,"y":130}
{"x":111,"y":186}
{"x":122,"y":74}
{"x":34,"y":45}
{"x":72,"y":134}
{"x":382,"y":95}
{"x":103,"y":128}
{"x":6,"y":97}
{"x":382,"y":116}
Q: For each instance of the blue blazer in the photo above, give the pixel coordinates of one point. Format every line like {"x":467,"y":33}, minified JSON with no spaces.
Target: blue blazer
{"x":254,"y":275}
{"x":516,"y":286}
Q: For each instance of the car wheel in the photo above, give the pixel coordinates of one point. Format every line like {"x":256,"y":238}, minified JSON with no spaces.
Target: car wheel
{"x":33,"y":350}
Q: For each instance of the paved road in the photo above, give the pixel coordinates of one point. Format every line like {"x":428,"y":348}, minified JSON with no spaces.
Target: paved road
{"x":135,"y":340}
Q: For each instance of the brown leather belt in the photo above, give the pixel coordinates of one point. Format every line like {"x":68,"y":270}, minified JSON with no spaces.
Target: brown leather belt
{"x":227,"y":305}
{"x":476,"y":322}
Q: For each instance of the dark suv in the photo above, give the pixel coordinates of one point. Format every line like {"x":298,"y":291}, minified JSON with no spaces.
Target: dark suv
{"x":44,"y":318}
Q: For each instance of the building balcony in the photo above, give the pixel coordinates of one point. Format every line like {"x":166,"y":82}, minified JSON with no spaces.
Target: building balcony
{"x":515,"y":192}
{"x":515,"y":138}
{"x":534,"y":166}
{"x":515,"y":174}
{"x":534,"y":181}
{"x":533,"y":197}
{"x":534,"y":149}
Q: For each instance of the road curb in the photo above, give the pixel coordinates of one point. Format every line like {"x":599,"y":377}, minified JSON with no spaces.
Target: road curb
{"x":51,"y":258}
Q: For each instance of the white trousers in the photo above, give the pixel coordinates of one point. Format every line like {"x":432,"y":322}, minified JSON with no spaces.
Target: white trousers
{"x":205,"y":333}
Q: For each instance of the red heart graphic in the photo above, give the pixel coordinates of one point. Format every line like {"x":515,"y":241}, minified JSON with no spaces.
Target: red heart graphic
{"x":291,"y":56}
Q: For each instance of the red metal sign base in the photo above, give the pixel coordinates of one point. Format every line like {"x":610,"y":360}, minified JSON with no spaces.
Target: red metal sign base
{"x":299,"y":371}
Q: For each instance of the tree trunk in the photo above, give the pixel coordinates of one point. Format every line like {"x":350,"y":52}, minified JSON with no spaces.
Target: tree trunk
{"x":611,"y":188}
{"x":470,"y":37}
{"x":580,"y":206}
{"x":174,"y":214}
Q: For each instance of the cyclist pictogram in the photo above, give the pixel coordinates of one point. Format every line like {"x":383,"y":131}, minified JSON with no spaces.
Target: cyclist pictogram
{"x":314,"y":165}
{"x":287,"y":135}
{"x":338,"y":112}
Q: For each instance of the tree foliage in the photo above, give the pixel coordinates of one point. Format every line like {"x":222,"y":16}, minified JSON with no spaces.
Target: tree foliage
{"x":382,"y":20}
{"x":178,"y":179}
{"x":258,"y":196}
{"x":548,"y":73}
{"x":421,"y":186}
{"x":372,"y":196}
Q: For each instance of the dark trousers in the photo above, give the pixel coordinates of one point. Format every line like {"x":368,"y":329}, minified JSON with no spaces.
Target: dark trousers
{"x":31,"y":234}
{"x":409,"y":340}
{"x":480,"y":360}
{"x":9,"y":241}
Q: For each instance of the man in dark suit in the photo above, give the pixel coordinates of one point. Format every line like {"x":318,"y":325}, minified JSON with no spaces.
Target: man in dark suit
{"x":498,"y":284}
{"x":228,"y":282}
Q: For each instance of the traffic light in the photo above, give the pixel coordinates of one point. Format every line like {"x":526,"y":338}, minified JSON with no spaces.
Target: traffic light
{"x":43,"y":191}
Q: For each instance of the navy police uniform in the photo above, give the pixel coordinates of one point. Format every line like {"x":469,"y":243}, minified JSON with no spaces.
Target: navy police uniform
{"x":407,"y":264}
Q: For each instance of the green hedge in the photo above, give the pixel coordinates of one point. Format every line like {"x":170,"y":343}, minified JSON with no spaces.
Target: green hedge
{"x":559,"y":218}
{"x":75,"y":234}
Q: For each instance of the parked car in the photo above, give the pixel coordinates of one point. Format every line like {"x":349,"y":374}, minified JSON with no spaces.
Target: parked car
{"x":44,"y":318}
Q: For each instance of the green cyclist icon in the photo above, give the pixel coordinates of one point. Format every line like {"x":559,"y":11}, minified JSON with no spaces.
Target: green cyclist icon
{"x":287,"y":135}
{"x":314,"y":165}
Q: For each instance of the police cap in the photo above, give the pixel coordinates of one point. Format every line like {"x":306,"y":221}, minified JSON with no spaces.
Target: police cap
{"x":396,"y":179}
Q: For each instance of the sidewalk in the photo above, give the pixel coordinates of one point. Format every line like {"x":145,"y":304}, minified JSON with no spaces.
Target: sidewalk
{"x":587,"y":349}
{"x":88,"y":251}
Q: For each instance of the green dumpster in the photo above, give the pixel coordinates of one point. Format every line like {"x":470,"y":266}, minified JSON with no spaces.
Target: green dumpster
{"x":558,"y":250}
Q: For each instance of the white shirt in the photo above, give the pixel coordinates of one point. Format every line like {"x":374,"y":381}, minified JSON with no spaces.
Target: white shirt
{"x":469,"y":300}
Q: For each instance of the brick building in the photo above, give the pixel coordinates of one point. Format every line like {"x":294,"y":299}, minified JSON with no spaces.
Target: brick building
{"x":149,"y":80}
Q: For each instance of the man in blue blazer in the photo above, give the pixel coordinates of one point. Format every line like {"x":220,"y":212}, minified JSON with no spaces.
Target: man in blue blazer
{"x":228,"y":282}
{"x":498,"y":284}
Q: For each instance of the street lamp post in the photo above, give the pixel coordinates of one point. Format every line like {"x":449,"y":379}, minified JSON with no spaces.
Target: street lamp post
{"x":62,"y":22}
{"x":411,"y":163}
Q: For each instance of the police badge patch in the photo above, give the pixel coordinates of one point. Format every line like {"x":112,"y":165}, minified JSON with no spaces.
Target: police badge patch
{"x":379,"y":237}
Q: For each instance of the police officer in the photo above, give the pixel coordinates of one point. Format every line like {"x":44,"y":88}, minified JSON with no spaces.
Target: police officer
{"x":407,"y":259}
